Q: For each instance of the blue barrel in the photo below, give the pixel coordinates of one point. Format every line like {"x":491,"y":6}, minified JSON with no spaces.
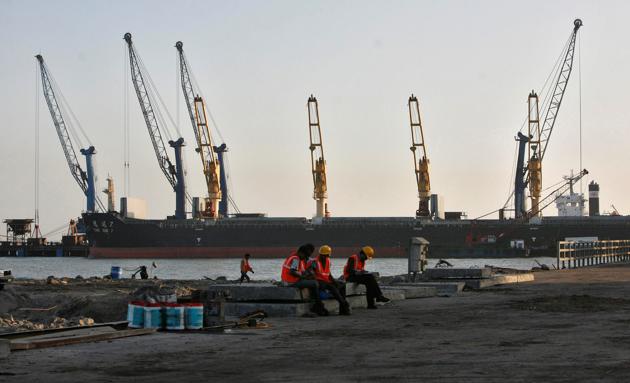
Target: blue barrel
{"x":174,"y":314}
{"x":116,"y":272}
{"x":135,"y":314}
{"x":153,"y":316}
{"x":193,"y":315}
{"x":58,"y":252}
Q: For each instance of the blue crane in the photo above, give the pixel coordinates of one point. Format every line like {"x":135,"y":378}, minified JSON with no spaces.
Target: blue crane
{"x":85,"y":179}
{"x":174,"y":173}
{"x":538,"y":137}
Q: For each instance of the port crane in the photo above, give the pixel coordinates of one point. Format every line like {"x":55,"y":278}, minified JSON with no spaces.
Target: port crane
{"x":211,"y":164}
{"x":318,"y":164}
{"x":530,"y":174}
{"x":85,"y":178}
{"x":174,"y":173}
{"x":420,"y":159}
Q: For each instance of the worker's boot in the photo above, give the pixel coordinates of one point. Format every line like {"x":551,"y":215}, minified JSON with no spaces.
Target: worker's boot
{"x":371,"y":305}
{"x":344,"y":309}
{"x":382,"y":299}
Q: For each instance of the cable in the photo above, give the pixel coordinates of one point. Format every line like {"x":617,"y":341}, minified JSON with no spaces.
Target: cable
{"x":580,"y":102}
{"x":36,"y":196}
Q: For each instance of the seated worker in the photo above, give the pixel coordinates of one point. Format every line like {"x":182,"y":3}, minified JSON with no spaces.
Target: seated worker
{"x":294,"y":274}
{"x":354,"y":271}
{"x":320,"y":266}
{"x":245,"y":268}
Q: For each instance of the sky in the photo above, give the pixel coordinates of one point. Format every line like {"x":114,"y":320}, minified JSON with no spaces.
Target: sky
{"x":472,"y":65}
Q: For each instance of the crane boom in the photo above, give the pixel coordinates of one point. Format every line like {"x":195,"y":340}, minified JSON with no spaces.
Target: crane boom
{"x":318,"y":164}
{"x":198,"y":118}
{"x":173,"y":173}
{"x":420,"y":159}
{"x":539,"y":135}
{"x":558,"y":93}
{"x":85,"y":179}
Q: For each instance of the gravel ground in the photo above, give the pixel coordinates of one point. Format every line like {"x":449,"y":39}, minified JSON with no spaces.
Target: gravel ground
{"x":567,"y":326}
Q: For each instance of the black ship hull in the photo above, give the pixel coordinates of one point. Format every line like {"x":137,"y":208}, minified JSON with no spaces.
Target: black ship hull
{"x":113,"y":236}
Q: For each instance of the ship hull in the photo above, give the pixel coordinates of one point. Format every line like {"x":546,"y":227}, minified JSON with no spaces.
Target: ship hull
{"x":113,"y":236}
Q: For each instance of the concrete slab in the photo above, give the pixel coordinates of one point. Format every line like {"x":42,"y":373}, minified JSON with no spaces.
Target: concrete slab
{"x":444,"y":289}
{"x":499,"y":280}
{"x":394,"y":294}
{"x":289,"y":309}
{"x":251,"y":292}
{"x":354,"y":289}
{"x":5,"y":348}
{"x":448,"y":273}
{"x":413,"y":292}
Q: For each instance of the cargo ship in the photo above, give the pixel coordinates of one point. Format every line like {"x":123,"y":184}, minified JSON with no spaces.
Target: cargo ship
{"x":112,"y":235}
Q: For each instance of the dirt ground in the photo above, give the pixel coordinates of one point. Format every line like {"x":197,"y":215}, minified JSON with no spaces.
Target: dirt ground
{"x":566,"y":326}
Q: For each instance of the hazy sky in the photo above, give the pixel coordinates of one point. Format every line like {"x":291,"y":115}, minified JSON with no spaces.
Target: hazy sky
{"x":471,"y":64}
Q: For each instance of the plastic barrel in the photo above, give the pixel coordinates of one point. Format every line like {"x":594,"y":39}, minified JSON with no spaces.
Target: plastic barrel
{"x":193,"y":315}
{"x":174,"y":314}
{"x":153,"y":315}
{"x":116,"y":272}
{"x":135,"y":314}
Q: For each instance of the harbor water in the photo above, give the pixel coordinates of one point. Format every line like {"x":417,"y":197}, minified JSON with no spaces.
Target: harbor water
{"x":40,"y":268}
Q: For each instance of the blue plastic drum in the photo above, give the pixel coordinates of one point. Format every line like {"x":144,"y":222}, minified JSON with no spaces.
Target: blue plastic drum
{"x":116,"y":272}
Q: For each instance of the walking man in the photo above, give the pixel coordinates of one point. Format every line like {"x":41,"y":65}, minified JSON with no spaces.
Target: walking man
{"x":354,"y":271}
{"x":245,"y":268}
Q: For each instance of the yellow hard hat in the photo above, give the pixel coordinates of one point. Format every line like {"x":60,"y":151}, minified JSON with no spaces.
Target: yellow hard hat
{"x":325,"y":250}
{"x":368,"y":251}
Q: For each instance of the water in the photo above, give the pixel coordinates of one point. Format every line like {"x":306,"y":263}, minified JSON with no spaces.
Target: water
{"x":40,"y":268}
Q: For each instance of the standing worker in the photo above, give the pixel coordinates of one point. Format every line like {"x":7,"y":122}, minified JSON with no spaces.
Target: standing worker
{"x":354,"y":271}
{"x":320,"y":266}
{"x":294,"y":274}
{"x":245,"y":268}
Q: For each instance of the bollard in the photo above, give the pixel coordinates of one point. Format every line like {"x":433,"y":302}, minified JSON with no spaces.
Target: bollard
{"x":417,"y":261}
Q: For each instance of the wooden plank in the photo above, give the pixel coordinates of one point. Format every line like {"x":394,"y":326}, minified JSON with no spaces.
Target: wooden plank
{"x":120,"y":325}
{"x":54,"y":342}
{"x":67,"y":334}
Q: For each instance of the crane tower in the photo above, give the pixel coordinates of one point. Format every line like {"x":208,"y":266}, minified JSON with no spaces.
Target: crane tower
{"x":318,"y":163}
{"x":420,"y":159}
{"x":198,"y":118}
{"x":174,"y":173}
{"x":84,"y":178}
{"x":538,"y":138}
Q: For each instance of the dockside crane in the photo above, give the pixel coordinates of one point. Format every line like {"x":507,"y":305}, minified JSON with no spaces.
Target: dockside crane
{"x":318,"y":163}
{"x":420,"y":159}
{"x":85,"y":178}
{"x":174,"y":173}
{"x":530,"y":174}
{"x":211,"y":164}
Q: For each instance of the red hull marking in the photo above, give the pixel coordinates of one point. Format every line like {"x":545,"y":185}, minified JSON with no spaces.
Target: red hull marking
{"x":227,"y":252}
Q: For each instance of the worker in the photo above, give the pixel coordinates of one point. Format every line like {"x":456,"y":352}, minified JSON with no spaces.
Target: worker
{"x":143,"y":273}
{"x":354,"y":271}
{"x":320,"y":267}
{"x":294,"y":274}
{"x":245,"y":268}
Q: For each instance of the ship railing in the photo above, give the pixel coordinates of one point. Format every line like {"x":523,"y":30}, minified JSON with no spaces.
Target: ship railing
{"x":575,"y":254}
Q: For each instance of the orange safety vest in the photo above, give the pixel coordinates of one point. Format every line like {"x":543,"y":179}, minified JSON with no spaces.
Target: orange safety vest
{"x":359,"y":265}
{"x":286,"y":275}
{"x":321,"y":274}
{"x":245,"y":267}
